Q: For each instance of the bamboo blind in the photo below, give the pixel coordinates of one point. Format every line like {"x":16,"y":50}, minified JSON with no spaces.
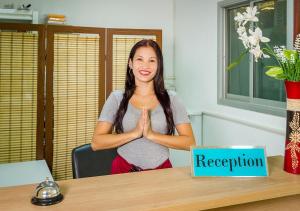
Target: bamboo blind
{"x":122,"y":45}
{"x":75,"y":93}
{"x":18,"y":95}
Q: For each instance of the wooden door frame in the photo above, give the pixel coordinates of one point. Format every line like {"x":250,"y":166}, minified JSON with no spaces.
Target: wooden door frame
{"x":40,"y":79}
{"x":51,"y":30}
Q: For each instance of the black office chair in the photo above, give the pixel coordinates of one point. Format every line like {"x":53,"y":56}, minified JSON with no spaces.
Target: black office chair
{"x":88,"y":163}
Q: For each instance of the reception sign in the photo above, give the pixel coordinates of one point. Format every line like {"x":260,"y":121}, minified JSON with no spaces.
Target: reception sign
{"x":230,"y":161}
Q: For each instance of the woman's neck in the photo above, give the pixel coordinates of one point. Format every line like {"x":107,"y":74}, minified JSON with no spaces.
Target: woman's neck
{"x":144,"y":89}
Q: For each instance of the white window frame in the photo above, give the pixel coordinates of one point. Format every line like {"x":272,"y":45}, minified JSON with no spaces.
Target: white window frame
{"x":248,"y":103}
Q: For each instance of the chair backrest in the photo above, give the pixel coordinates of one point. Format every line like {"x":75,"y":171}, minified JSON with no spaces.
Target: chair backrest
{"x":88,"y":163}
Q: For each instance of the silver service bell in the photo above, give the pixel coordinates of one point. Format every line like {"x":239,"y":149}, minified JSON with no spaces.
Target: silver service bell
{"x":47,"y":193}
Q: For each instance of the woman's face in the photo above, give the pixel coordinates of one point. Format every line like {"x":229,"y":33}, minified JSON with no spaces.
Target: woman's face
{"x":144,"y":64}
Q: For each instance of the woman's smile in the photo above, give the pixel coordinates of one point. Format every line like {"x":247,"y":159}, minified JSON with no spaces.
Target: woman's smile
{"x":145,"y":72}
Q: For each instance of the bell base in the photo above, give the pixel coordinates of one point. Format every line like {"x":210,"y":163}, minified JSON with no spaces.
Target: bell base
{"x":47,"y":202}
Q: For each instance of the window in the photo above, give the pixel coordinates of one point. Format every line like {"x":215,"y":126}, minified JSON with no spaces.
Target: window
{"x":247,"y":86}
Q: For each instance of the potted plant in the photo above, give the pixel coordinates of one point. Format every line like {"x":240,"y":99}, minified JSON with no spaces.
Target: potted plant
{"x":287,"y":69}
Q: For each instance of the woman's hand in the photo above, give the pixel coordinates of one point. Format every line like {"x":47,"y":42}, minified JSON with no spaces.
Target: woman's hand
{"x":147,"y":132}
{"x":138,"y":130}
{"x":143,"y":127}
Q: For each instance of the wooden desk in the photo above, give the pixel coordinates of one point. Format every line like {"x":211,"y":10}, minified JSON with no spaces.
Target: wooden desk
{"x":168,"y":189}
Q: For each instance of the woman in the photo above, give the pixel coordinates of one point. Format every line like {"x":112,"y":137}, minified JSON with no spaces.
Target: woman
{"x":144,"y":116}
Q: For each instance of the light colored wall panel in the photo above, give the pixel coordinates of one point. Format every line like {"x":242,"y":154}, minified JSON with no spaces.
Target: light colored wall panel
{"x":222,"y":132}
{"x":180,"y":157}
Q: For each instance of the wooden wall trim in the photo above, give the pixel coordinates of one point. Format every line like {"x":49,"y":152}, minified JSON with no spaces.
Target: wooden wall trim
{"x":40,"y":151}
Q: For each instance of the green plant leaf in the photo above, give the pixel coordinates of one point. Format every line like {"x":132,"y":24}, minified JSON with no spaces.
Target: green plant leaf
{"x":269,"y":67}
{"x":237,"y":61}
{"x":232,"y":66}
{"x":296,"y":56}
{"x":280,"y":77}
{"x":287,"y":53}
{"x":274,"y":71}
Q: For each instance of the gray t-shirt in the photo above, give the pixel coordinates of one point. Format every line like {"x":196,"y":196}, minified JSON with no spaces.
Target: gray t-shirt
{"x":143,"y":152}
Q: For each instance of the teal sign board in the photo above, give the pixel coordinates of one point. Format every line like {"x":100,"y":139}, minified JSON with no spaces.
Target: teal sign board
{"x":228,"y":162}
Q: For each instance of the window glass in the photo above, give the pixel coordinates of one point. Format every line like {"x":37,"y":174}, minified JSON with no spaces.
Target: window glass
{"x":272,"y":21}
{"x":238,"y":79}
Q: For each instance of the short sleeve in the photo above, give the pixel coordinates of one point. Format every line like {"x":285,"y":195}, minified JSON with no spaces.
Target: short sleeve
{"x":110,"y":108}
{"x":180,"y":115}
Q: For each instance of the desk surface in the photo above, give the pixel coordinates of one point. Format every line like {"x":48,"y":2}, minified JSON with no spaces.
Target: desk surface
{"x":21,"y":173}
{"x":166,"y":189}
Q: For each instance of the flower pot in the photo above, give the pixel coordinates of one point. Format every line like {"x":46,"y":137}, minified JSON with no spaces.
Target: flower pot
{"x":292,"y":143}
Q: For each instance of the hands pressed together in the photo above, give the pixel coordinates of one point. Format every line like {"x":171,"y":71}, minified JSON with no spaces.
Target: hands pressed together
{"x":104,"y":139}
{"x":143,"y":127}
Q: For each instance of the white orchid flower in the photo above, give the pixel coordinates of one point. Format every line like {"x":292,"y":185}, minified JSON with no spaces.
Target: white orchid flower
{"x":239,"y":18}
{"x":245,"y":40}
{"x":241,"y":30}
{"x":256,"y":37}
{"x":252,"y":39}
{"x":250,"y":14}
{"x":257,"y":52}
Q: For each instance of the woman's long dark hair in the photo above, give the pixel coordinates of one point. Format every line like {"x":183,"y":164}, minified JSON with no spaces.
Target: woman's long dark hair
{"x":159,"y":88}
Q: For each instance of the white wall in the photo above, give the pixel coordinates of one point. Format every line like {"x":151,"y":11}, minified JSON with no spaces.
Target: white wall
{"x":219,"y":131}
{"x":138,"y":14}
{"x":195,"y":35}
{"x":181,"y":157}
